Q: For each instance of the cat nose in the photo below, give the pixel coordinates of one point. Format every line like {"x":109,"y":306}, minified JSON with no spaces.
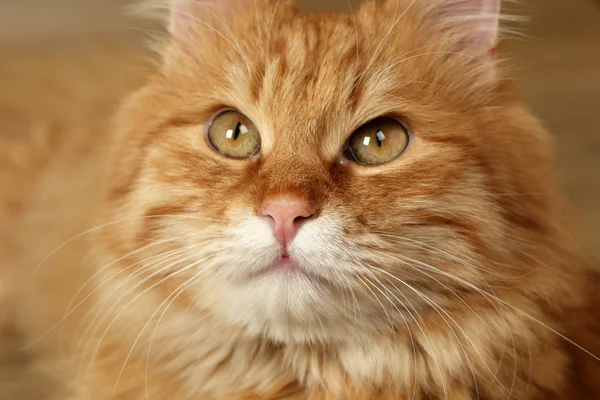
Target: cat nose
{"x":288,"y":214}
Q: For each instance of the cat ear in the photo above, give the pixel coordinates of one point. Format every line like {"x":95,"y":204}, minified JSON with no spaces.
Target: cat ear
{"x":189,"y":15}
{"x":475,"y":21}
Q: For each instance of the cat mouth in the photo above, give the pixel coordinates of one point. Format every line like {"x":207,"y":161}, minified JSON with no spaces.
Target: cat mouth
{"x":286,"y":260}
{"x":286,"y":266}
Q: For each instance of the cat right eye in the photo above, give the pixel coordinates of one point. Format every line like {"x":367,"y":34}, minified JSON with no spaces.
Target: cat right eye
{"x":377,"y":142}
{"x":233,"y":135}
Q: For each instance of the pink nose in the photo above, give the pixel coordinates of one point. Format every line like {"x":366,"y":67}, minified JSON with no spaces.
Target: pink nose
{"x":288,"y":214}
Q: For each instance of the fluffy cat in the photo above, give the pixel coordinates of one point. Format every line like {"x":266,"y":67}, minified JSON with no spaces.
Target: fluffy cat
{"x":305,"y":206}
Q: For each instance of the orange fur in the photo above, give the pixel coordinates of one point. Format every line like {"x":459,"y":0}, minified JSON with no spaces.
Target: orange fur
{"x":447,"y":273}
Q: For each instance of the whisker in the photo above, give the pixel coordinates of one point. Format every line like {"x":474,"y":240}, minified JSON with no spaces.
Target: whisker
{"x":100,"y":270}
{"x":379,"y":301}
{"x":133,"y":28}
{"x":412,"y":340}
{"x":437,"y":310}
{"x":445,"y":287}
{"x":496,"y":298}
{"x":70,"y":309}
{"x":168,"y":257}
{"x":421,"y":327}
{"x":428,"y":337}
{"x":356,"y":306}
{"x":165,"y":255}
{"x":418,"y":244}
{"x":532,"y":318}
{"x":91,"y":230}
{"x":174,"y":295}
{"x":392,"y":320}
{"x":423,"y":245}
{"x":497,"y":310}
{"x":476,"y":314}
{"x":94,"y":326}
{"x":101,"y":339}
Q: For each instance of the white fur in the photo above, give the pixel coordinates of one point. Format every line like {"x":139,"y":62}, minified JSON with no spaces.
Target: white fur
{"x":286,"y":305}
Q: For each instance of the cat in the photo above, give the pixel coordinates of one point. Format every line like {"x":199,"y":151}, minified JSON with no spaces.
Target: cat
{"x":304,"y":206}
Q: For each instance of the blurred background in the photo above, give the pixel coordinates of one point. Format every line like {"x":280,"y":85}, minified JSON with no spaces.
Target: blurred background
{"x":557,"y":63}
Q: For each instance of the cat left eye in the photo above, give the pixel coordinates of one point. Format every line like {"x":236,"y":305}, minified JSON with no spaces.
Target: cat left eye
{"x":233,"y":135}
{"x":378,"y":142}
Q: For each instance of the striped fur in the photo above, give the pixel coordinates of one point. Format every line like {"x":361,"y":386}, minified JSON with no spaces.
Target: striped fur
{"x":449,"y":273}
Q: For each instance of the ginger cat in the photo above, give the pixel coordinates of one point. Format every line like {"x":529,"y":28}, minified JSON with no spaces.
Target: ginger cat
{"x":294,"y":206}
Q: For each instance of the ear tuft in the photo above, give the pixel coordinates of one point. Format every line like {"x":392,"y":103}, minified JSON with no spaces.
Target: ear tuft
{"x":477,"y":21}
{"x":184,"y":15}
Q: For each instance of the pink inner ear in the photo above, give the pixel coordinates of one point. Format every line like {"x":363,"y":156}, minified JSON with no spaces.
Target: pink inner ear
{"x":182,"y":11}
{"x":478,"y":19}
{"x":490,"y":21}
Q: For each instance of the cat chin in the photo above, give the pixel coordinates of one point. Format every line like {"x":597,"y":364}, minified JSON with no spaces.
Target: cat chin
{"x":284,"y":307}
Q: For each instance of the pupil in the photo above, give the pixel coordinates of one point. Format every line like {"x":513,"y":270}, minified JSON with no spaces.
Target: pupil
{"x":238,"y":130}
{"x":380,"y":137}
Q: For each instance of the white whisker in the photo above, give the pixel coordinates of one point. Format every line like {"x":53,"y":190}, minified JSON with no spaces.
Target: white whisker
{"x":97,"y":321}
{"x":168,"y":257}
{"x":70,"y":309}
{"x":95,"y":229}
{"x":412,"y":340}
{"x":173,"y":274}
{"x":532,"y":318}
{"x":437,"y":309}
{"x":416,"y":319}
{"x":380,"y":303}
{"x":474,"y":312}
{"x":172,"y":297}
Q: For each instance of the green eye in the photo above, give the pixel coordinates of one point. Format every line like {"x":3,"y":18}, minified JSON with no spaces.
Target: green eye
{"x":378,"y":142}
{"x":233,"y":135}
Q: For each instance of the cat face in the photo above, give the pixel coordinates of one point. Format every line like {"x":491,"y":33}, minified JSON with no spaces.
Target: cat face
{"x":315,"y":177}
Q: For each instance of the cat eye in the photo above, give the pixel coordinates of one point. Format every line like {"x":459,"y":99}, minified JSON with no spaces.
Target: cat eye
{"x":378,"y":142}
{"x":233,"y":135}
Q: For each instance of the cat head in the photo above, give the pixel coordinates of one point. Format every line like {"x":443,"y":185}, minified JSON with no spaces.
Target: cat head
{"x":318,"y":176}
